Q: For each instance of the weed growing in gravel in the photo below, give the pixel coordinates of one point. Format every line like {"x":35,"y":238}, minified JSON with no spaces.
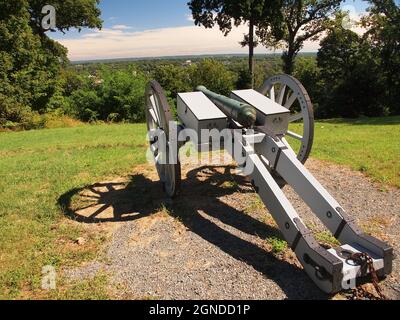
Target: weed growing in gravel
{"x":327,"y":238}
{"x":375,"y":226}
{"x":255,"y":205}
{"x":232,"y":185}
{"x":164,"y":211}
{"x":278,"y":245}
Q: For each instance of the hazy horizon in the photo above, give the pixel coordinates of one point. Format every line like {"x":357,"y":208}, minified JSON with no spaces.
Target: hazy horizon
{"x":134,"y":29}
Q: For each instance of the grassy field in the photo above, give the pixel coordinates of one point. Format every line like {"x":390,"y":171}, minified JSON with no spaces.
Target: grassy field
{"x":371,"y":146}
{"x":37,"y":167}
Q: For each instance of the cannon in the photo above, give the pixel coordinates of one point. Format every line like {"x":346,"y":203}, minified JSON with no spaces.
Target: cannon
{"x":256,"y":129}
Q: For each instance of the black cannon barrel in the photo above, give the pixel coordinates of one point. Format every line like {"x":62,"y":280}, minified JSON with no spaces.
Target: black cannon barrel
{"x":243,"y":113}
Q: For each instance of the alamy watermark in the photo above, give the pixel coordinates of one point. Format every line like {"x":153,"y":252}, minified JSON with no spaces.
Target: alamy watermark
{"x":49,"y":21}
{"x":49,"y":278}
{"x":189,"y":146}
{"x":352,"y":18}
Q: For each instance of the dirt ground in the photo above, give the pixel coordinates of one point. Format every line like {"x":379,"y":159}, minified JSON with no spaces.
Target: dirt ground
{"x":215,"y":241}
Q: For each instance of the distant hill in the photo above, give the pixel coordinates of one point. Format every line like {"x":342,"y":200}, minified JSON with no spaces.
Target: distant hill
{"x":185,"y":57}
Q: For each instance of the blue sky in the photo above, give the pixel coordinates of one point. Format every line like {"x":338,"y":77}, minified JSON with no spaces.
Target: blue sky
{"x":140,"y":15}
{"x":150,"y":24}
{"x":146,"y":14}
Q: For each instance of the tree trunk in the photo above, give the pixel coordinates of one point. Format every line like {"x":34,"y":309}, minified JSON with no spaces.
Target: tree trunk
{"x":288,"y":60}
{"x":251,"y":52}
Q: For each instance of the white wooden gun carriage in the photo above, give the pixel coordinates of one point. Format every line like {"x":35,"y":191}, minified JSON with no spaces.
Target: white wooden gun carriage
{"x":257,"y":124}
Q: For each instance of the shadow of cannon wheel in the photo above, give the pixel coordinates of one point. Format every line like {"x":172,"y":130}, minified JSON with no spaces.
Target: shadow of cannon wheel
{"x":139,"y":197}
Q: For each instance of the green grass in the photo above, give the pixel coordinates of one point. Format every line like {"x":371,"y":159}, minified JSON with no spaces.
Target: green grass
{"x":37,"y":167}
{"x":371,"y":146}
{"x":278,"y":245}
{"x":325,"y":237}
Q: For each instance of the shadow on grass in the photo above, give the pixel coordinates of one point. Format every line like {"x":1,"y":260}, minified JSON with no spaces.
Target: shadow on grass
{"x":141,"y":197}
{"x":394,"y":120}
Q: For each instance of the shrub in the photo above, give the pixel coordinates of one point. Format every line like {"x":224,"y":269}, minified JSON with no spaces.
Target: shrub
{"x":215,"y":76}
{"x":108,"y":96}
{"x":278,"y":245}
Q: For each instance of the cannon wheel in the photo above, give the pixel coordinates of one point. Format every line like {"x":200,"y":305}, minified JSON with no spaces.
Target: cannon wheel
{"x":290,"y":93}
{"x":158,"y":117}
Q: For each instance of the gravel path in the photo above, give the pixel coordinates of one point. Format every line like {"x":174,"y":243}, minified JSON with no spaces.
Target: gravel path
{"x":211,"y":242}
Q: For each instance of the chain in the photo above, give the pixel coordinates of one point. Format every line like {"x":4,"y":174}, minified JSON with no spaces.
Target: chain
{"x":366,"y":262}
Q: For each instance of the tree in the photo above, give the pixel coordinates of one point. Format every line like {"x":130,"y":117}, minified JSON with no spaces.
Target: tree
{"x":30,"y":62}
{"x":229,"y":13}
{"x":303,"y":20}
{"x":173,"y":79}
{"x":349,"y":73}
{"x":307,"y":72}
{"x":24,"y":83}
{"x":110,"y":95}
{"x":214,"y":75}
{"x":383,"y":25}
{"x":70,"y":14}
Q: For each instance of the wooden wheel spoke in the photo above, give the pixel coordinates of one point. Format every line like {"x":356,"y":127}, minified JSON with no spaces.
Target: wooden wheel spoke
{"x":154,"y":116}
{"x":272,"y":93}
{"x":295,"y":135}
{"x":290,"y":101}
{"x":296,"y":117}
{"x":156,"y":108}
{"x":291,"y":94}
{"x":281,"y":95}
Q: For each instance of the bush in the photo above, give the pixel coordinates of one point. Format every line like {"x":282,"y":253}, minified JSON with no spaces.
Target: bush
{"x":57,"y":119}
{"x":86,"y":104}
{"x":244,"y":80}
{"x":13,"y":114}
{"x":122,"y":95}
{"x":109,"y":96}
{"x":214,"y":75}
{"x":173,"y":79}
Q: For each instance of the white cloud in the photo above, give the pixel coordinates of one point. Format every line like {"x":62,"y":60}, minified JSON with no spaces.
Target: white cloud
{"x":121,"y":27}
{"x":119,"y":42}
{"x":352,"y":22}
{"x":189,"y":17}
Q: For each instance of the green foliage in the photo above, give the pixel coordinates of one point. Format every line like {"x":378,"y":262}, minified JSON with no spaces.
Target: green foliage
{"x":123,"y":95}
{"x":229,"y":13}
{"x":244,"y":80}
{"x":173,"y":78}
{"x":87,"y":104}
{"x":308,"y":73}
{"x":303,"y":20}
{"x":327,"y":238}
{"x":353,"y":76}
{"x":278,"y":245}
{"x":70,"y":14}
{"x":109,"y":96}
{"x":208,"y":72}
{"x":383,"y":24}
{"x":214,"y":75}
{"x":27,"y":71}
{"x":350,"y":76}
{"x":31,"y":64}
